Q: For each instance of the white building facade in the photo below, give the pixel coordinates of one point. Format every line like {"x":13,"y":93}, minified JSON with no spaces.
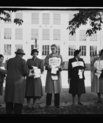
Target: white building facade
{"x":44,"y":28}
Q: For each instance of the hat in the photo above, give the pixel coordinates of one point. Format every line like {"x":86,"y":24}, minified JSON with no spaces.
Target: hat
{"x":33,"y":51}
{"x":20,"y":51}
{"x":76,"y":52}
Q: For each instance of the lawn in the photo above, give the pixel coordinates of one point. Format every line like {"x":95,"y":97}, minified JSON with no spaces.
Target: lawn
{"x":88,"y":99}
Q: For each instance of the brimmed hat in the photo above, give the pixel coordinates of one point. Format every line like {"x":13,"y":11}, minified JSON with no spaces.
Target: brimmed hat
{"x":76,"y":52}
{"x":33,"y":51}
{"x":20,"y":51}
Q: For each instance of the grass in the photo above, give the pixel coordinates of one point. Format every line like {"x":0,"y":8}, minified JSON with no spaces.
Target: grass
{"x":89,"y":107}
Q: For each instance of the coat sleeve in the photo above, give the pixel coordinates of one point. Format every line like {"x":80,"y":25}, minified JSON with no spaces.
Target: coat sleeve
{"x":41,"y":65}
{"x":46,"y":63}
{"x":25,"y":68}
{"x":69,"y":69}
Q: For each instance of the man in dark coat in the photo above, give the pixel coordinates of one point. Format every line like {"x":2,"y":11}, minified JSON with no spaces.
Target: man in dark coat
{"x":76,"y":67}
{"x":15,"y":83}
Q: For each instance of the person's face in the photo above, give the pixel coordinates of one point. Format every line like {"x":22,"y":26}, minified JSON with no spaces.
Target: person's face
{"x":35,"y":54}
{"x":53,"y":49}
{"x":78,"y":55}
{"x":1,"y":59}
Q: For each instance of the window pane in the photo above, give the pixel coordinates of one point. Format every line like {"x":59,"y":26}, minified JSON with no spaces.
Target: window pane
{"x":34,"y":34}
{"x":93,"y":50}
{"x":35,"y":18}
{"x":46,"y":18}
{"x":18,"y":34}
{"x":46,"y":34}
{"x":18,"y":46}
{"x":56,"y":34}
{"x":82,"y":35}
{"x":83,"y":50}
{"x":45,"y":49}
{"x":7,"y":33}
{"x":71,"y":50}
{"x":19,"y":15}
{"x":7,"y":49}
{"x":56,"y":19}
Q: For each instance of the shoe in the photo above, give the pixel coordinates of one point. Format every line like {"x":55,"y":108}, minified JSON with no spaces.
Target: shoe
{"x":79,"y":103}
{"x":99,"y":101}
{"x":57,"y":107}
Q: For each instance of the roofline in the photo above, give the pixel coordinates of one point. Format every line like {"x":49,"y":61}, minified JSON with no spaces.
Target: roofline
{"x":48,"y":8}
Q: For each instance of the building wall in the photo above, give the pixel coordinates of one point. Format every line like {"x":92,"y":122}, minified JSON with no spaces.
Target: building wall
{"x":64,"y":41}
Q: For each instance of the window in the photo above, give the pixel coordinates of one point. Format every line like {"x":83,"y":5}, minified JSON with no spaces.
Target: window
{"x":35,"y":18}
{"x":45,"y":49}
{"x":93,"y":50}
{"x":72,"y":37}
{"x":83,"y":50}
{"x":56,"y":19}
{"x":34,"y":47}
{"x":34,"y":34}
{"x":18,"y":46}
{"x":46,"y":34}
{"x":19,"y":15}
{"x":7,"y":49}
{"x":18,"y":34}
{"x":7,"y":33}
{"x":83,"y":35}
{"x":71,"y":50}
{"x":46,"y":18}
{"x":56,"y":34}
{"x":93,"y":37}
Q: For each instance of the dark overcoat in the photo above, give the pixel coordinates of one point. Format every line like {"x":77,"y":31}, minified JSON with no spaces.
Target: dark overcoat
{"x":77,"y":85}
{"x":15,"y":81}
{"x":34,"y":85}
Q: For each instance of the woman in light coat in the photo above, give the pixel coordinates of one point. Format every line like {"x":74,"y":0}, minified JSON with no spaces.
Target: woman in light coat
{"x":53,"y":86}
{"x":97,"y":76}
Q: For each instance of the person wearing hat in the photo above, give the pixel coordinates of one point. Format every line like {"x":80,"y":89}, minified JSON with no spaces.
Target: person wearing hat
{"x":76,"y":67}
{"x":97,"y":76}
{"x":17,"y":70}
{"x":33,"y":82}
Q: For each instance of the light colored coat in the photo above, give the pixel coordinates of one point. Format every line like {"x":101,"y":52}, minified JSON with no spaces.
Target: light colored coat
{"x":51,"y":85}
{"x":15,"y":81}
{"x":96,"y":83}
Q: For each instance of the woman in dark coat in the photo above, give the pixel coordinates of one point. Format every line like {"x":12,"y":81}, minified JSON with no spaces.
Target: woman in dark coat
{"x":33,"y":84}
{"x":15,"y":83}
{"x":76,"y":67}
{"x":2,"y":74}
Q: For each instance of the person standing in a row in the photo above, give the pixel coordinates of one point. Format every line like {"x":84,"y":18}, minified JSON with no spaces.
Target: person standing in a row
{"x":2,"y":74}
{"x":15,"y":83}
{"x":33,"y":82}
{"x":76,"y":67}
{"x":97,"y":76}
{"x":53,"y":65}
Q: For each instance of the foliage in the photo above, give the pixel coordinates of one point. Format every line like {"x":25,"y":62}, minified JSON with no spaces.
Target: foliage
{"x":6,"y":17}
{"x":95,"y":18}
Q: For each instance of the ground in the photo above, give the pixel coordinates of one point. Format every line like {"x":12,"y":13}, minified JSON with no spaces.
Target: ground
{"x":88,"y":99}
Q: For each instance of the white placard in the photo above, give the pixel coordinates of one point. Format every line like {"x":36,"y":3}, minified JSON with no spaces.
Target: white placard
{"x":54,"y":62}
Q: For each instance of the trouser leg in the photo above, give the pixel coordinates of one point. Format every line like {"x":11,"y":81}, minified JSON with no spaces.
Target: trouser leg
{"x":9,"y":108}
{"x":57,"y":99}
{"x":48,"y":99}
{"x":18,"y":108}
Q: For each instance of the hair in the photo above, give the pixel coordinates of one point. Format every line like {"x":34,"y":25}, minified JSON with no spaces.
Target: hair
{"x":53,"y":45}
{"x":100,"y":52}
{"x":1,"y":56}
{"x":76,"y":52}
